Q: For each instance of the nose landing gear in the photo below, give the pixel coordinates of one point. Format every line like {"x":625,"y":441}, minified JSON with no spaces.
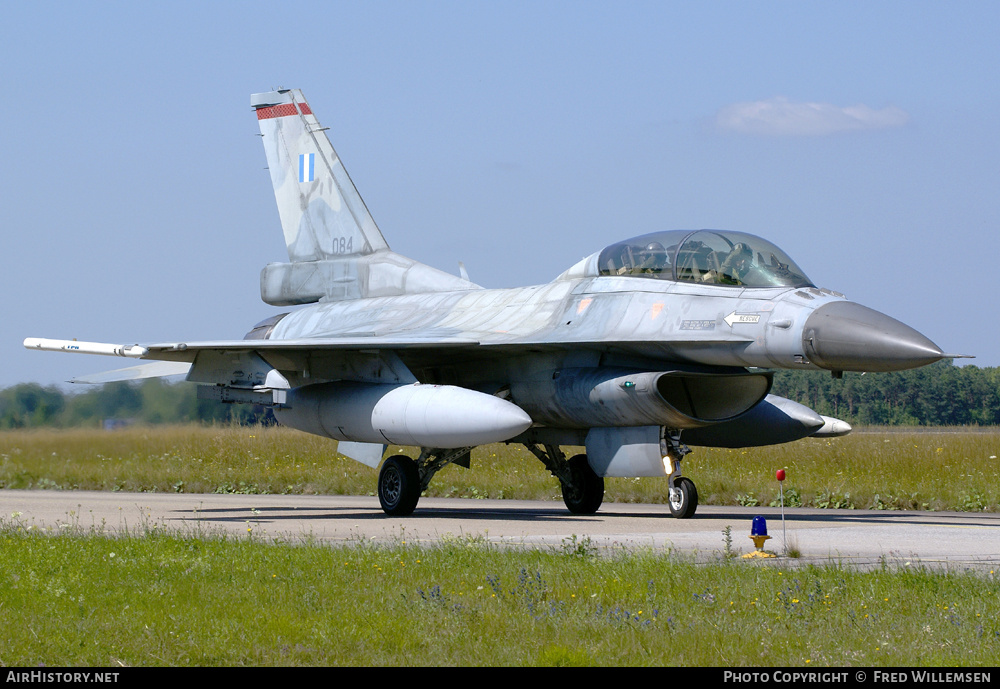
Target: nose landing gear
{"x":683,"y":496}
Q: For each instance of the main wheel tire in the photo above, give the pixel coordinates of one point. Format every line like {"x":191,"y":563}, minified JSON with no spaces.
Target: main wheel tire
{"x":399,"y":486}
{"x":683,"y":500}
{"x":586,"y":493}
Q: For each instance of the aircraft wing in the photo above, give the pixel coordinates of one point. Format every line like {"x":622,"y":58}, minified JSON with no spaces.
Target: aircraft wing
{"x":371,"y":358}
{"x":188,"y":351}
{"x":247,"y":363}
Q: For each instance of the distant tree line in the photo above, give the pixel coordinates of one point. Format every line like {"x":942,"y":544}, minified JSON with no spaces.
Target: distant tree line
{"x":938,"y":395}
{"x":941,"y":394}
{"x":152,"y":401}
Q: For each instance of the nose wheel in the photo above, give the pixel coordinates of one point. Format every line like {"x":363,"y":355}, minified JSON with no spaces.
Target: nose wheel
{"x":683,"y":498}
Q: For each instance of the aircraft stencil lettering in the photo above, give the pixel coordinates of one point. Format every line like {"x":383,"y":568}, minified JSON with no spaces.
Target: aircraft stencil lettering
{"x":734,"y":318}
{"x":620,"y":354}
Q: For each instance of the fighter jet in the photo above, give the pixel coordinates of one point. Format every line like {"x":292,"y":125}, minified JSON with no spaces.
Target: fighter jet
{"x":647,"y":347}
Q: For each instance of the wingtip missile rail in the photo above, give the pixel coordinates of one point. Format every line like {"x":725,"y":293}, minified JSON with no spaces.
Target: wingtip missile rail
{"x":102,"y":348}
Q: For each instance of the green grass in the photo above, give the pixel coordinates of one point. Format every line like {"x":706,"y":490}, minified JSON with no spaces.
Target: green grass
{"x":946,"y":469}
{"x":80,"y":599}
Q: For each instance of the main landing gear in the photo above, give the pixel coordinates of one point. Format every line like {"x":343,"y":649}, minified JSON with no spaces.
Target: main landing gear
{"x":399,"y":486}
{"x":402,"y":479}
{"x":582,"y":488}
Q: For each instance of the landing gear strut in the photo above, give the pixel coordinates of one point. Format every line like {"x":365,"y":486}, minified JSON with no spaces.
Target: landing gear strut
{"x":582,"y":488}
{"x":683,"y":497}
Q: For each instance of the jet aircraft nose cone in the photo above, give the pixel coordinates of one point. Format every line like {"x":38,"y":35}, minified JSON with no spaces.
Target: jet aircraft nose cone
{"x":844,"y":336}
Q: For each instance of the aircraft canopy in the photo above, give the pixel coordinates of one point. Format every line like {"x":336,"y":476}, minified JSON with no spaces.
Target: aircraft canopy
{"x":713,"y":257}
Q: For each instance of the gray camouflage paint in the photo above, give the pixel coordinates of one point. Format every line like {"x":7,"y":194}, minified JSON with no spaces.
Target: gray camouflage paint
{"x":560,"y":351}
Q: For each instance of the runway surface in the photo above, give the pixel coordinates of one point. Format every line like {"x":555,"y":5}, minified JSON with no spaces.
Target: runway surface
{"x":947,"y":539}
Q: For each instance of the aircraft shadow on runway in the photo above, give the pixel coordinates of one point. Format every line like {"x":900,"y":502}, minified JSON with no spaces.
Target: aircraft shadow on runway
{"x":492,"y":513}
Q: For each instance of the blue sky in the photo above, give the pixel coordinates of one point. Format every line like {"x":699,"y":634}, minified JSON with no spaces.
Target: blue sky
{"x":516,"y":137}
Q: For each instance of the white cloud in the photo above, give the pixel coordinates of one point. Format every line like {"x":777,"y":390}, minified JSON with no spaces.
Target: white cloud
{"x":781,"y":117}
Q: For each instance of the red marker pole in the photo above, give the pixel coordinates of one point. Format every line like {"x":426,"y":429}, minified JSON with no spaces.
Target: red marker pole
{"x":780,"y":475}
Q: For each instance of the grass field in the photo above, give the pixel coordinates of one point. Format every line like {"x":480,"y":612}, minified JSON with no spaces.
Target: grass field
{"x":81,"y":598}
{"x":157,"y":599}
{"x":933,"y":469}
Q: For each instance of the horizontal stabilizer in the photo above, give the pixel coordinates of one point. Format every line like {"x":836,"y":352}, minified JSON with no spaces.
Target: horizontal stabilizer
{"x":156,"y":369}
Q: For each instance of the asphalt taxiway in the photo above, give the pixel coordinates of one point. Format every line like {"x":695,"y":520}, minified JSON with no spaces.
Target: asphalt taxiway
{"x":949,"y":539}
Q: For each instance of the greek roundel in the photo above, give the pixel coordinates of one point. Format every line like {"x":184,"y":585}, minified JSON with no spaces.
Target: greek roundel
{"x":307,"y":167}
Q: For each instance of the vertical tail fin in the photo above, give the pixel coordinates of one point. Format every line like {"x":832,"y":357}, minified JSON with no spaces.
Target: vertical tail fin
{"x":336,"y":251}
{"x":322,"y":214}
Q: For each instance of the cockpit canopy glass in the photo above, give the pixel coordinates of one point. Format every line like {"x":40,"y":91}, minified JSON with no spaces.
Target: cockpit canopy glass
{"x":712,"y":257}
